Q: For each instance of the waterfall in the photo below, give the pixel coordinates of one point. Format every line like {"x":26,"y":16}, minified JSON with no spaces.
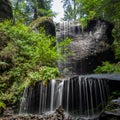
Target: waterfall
{"x":52,"y":94}
{"x":79,"y":96}
{"x":82,"y":96}
{"x":67,"y":30}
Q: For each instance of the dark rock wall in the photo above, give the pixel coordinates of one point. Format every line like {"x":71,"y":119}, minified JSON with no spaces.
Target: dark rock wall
{"x":93,"y":25}
{"x":5,"y":10}
{"x":89,"y":47}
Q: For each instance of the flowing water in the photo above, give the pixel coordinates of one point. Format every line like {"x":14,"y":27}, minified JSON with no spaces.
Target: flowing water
{"x":79,"y":96}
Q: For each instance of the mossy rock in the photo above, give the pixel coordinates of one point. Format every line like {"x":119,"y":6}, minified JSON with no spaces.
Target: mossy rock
{"x":111,"y":111}
{"x":5,"y":10}
{"x":44,"y":22}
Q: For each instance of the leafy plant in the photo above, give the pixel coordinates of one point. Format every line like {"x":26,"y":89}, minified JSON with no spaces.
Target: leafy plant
{"x":45,"y":74}
{"x":48,"y":73}
{"x":2,"y":106}
{"x":83,"y":22}
{"x":114,"y":95}
{"x":30,"y":56}
{"x":116,"y":46}
{"x":108,"y":68}
{"x":3,"y":65}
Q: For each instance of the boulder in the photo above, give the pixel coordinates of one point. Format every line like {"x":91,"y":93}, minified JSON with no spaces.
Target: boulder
{"x":57,"y":115}
{"x":5,"y":10}
{"x":43,"y":22}
{"x":8,"y":112}
{"x":112,"y":111}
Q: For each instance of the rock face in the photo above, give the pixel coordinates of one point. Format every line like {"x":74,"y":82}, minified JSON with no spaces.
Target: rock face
{"x":112,"y":111}
{"x":43,"y":22}
{"x":5,"y":10}
{"x":89,"y":47}
{"x":57,"y":115}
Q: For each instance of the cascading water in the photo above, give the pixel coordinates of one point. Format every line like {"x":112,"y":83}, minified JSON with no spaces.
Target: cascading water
{"x":67,"y":30}
{"x":79,"y":96}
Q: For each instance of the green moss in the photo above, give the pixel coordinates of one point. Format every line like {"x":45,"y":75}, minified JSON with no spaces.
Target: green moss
{"x":44,"y":22}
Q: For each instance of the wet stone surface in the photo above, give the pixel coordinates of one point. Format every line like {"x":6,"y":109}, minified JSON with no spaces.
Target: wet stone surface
{"x":57,"y":115}
{"x":112,"y":111}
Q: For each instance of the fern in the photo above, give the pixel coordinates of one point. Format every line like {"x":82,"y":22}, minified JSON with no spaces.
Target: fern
{"x":3,"y":65}
{"x":2,"y":105}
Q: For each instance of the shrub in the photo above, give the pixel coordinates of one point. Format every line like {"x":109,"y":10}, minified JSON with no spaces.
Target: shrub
{"x":108,"y":68}
{"x":27,"y":58}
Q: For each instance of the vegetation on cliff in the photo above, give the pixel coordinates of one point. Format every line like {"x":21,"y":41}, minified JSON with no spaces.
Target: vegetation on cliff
{"x":26,"y":57}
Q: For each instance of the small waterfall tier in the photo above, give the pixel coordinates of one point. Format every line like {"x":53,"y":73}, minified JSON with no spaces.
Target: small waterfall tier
{"x":81,"y":96}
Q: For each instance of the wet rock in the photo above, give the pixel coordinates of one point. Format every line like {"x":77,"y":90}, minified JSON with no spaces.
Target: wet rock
{"x":57,"y":115}
{"x":60,"y":113}
{"x":89,"y":47}
{"x":8,"y":111}
{"x":112,"y":111}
